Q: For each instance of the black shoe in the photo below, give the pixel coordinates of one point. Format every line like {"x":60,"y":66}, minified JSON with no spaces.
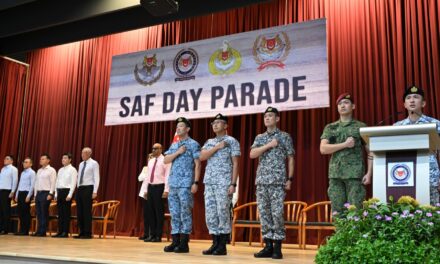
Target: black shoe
{"x":277,"y":250}
{"x":86,"y":237}
{"x":175,"y":243}
{"x":156,"y":239}
{"x":267,"y":251}
{"x":21,"y":234}
{"x":142,"y":237}
{"x":63,"y":235}
{"x":57,"y":235}
{"x":3,"y":233}
{"x":220,"y":250}
{"x":39,"y":234}
{"x":148,"y":239}
{"x":183,"y":246}
{"x":215,"y":240}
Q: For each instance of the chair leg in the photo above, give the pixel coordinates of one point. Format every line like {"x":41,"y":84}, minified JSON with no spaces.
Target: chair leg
{"x":250,"y":236}
{"x":319,"y":238}
{"x":114,"y":229}
{"x":261,"y":238}
{"x":233,"y":236}
{"x":304,"y":240}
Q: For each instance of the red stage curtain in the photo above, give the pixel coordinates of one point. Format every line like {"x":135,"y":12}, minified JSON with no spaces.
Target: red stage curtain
{"x":12,"y":91}
{"x":375,"y":50}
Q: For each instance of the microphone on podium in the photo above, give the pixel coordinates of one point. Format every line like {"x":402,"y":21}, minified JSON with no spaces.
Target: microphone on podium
{"x":389,"y":117}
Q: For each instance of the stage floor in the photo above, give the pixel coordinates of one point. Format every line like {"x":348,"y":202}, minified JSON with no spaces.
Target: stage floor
{"x":131,"y":250}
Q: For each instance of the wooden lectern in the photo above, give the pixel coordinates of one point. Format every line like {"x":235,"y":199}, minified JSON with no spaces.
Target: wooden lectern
{"x":401,"y":159}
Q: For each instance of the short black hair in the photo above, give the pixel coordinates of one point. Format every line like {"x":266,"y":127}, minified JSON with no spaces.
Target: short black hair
{"x":68,"y":154}
{"x":45,"y":155}
{"x":28,"y":159}
{"x":11,"y":157}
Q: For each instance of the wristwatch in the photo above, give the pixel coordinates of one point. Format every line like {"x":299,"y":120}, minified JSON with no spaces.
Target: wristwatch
{"x":233,"y":184}
{"x":196,"y":182}
{"x":290,"y":179}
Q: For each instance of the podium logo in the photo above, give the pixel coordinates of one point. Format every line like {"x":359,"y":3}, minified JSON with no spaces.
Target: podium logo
{"x":400,"y":174}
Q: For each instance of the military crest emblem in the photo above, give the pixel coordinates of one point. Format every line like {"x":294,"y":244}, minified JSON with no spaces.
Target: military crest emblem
{"x":225,"y":60}
{"x":185,"y":64}
{"x":150,"y":71}
{"x":271,"y":50}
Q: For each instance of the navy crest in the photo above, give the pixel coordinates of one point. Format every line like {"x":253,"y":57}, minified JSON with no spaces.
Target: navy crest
{"x":185,"y":64}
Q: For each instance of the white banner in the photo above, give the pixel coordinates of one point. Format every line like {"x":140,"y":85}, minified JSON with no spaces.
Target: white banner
{"x":284,"y":67}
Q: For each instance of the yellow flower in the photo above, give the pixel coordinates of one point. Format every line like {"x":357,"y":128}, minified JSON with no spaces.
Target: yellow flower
{"x":352,"y":207}
{"x":408,"y":200}
{"x":428,"y":207}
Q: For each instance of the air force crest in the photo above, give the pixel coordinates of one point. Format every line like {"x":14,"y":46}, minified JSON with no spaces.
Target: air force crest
{"x":185,"y":64}
{"x":225,"y":60}
{"x":400,"y":174}
{"x":150,"y":72}
{"x":271,"y":51}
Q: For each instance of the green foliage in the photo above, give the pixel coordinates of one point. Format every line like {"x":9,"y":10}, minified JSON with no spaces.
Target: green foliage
{"x":402,"y":232}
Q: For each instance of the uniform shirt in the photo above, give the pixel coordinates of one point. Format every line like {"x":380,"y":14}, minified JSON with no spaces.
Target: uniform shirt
{"x":182,"y":169}
{"x":66,"y":179}
{"x":434,"y":172}
{"x":91,"y":174}
{"x":8,"y":178}
{"x":219,"y":168}
{"x":272,"y":163}
{"x":46,"y":179}
{"x":27,"y":182}
{"x":347,"y":163}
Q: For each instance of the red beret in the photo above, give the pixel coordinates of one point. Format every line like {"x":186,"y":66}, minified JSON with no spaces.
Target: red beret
{"x":345,"y":96}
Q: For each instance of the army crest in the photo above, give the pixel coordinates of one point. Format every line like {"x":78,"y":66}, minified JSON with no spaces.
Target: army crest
{"x":271,"y":51}
{"x":225,"y":60}
{"x":185,"y":64}
{"x":150,"y":71}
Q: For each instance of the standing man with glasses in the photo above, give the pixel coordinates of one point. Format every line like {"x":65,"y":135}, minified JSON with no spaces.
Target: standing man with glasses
{"x":157,"y":180}
{"x":23,"y":197}
{"x":8,"y":184}
{"x":143,"y":194}
{"x":88,"y":183}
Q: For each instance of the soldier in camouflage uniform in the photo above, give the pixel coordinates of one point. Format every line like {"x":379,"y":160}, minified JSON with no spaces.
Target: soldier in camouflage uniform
{"x":272,"y":148}
{"x":342,"y":140}
{"x":182,"y":182}
{"x":222,"y":153}
{"x":414,"y":101}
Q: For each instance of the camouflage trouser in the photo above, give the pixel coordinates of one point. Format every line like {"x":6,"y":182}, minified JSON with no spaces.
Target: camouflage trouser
{"x":434,"y":195}
{"x":180,"y":203}
{"x":346,"y":191}
{"x":270,"y":199}
{"x":217,"y":209}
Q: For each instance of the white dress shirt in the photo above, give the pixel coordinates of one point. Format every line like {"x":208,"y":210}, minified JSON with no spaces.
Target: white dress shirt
{"x":46,"y":179}
{"x":9,"y":178}
{"x":142,"y":176}
{"x":27,"y":182}
{"x":91,"y":174}
{"x":66,"y":179}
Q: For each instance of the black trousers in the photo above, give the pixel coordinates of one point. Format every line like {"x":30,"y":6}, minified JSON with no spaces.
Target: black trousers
{"x":155,"y":209}
{"x":145,"y":215}
{"x":63,"y":207}
{"x":24,"y":212}
{"x":5,"y":210}
{"x":42,"y":210}
{"x":84,"y":209}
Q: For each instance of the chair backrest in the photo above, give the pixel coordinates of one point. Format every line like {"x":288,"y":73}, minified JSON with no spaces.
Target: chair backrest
{"x":107,"y":209}
{"x":320,"y":212}
{"x":248,"y":210}
{"x":293,"y":210}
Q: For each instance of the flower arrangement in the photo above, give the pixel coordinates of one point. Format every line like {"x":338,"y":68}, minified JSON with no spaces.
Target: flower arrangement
{"x":398,"y":232}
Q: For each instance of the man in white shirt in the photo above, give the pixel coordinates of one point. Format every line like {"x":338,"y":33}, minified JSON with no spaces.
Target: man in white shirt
{"x":8,"y":184}
{"x":23,"y":196}
{"x":88,"y":183}
{"x":44,"y":192}
{"x":66,"y":183}
{"x":143,"y":194}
